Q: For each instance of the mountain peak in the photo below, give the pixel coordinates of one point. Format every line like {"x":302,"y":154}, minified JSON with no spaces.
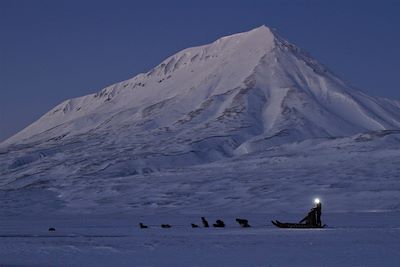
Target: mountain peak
{"x":263,"y":28}
{"x":255,"y":77}
{"x":259,"y":32}
{"x":248,"y":93}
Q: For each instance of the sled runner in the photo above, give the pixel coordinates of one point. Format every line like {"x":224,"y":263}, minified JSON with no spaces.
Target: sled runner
{"x":295,"y":225}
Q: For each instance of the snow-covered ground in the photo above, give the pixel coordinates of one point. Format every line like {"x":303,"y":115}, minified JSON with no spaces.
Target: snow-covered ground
{"x":352,"y":239}
{"x":363,"y":170}
{"x":96,"y":219}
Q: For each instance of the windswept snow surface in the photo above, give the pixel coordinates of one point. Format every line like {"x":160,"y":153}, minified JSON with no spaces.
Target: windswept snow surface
{"x":362,"y":170}
{"x":359,"y":239}
{"x":248,"y":125}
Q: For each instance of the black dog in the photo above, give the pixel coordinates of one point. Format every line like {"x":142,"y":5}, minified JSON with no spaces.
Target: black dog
{"x":142,"y":226}
{"x":243,"y":222}
{"x":219,"y":224}
{"x":204,"y":221}
{"x":165,"y":226}
{"x":194,"y":225}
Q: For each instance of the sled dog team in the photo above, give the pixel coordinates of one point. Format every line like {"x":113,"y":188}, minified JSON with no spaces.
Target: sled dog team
{"x":312,"y":220}
{"x":218,"y":224}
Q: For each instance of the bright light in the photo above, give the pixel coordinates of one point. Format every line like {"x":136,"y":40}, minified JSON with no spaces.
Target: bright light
{"x":316,"y":201}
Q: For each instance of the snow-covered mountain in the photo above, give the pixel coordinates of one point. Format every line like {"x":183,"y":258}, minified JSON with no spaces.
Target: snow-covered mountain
{"x":242,"y":94}
{"x":254,"y":85}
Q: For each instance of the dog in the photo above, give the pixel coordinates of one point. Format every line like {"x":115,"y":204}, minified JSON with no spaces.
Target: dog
{"x":194,"y":225}
{"x":243,"y":222}
{"x":142,"y":226}
{"x":52,"y":229}
{"x":165,"y":226}
{"x":219,"y":224}
{"x":204,"y":221}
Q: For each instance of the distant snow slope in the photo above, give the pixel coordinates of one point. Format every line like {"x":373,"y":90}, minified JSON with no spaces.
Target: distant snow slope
{"x":245,"y":95}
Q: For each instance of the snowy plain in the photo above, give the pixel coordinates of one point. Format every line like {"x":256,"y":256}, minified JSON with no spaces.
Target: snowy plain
{"x":353,"y":239}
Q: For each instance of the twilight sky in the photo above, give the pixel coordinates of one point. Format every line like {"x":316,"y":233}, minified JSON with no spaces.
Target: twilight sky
{"x":54,"y":50}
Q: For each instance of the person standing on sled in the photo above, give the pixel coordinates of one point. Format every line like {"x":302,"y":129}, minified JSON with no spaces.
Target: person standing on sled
{"x":313,"y":218}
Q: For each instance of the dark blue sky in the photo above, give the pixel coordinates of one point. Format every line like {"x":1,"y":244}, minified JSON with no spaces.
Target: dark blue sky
{"x":54,"y":50}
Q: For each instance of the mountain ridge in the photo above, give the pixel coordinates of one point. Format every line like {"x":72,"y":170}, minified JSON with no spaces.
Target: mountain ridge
{"x":258,"y":61}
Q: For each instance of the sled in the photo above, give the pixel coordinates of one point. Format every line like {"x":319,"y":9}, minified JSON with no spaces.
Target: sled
{"x":295,"y":225}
